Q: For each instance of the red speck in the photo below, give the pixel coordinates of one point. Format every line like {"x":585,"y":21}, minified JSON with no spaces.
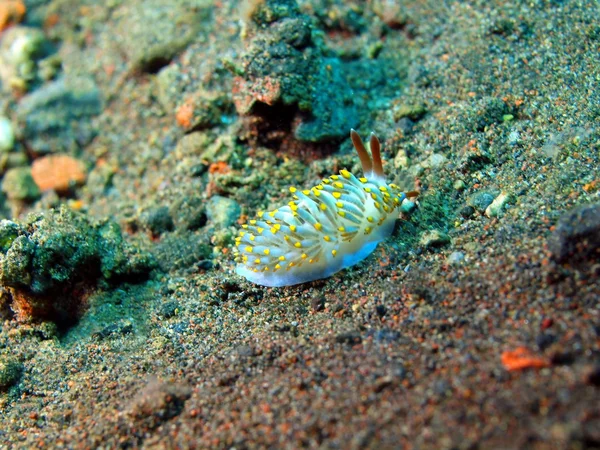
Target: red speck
{"x":547,"y":323}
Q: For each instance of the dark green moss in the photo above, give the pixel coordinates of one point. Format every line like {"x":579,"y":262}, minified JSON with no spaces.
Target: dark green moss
{"x":57,"y":252}
{"x":10,"y":372}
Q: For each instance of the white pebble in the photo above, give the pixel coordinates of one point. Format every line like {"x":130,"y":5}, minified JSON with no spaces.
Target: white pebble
{"x":7,"y":135}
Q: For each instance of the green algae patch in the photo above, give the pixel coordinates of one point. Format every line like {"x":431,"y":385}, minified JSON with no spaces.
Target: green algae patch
{"x":51,"y":261}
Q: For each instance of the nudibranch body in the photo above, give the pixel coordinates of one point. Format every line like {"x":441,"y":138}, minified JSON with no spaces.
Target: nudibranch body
{"x":324,"y":229}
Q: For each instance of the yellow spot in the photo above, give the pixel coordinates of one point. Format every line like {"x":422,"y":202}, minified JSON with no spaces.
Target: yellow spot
{"x":373,"y":196}
{"x":253,"y":222}
{"x":341,"y":213}
{"x":266,"y":269}
{"x":326,"y":181}
{"x":245,"y":227}
{"x":306,"y":192}
{"x":316,"y":192}
{"x":367,"y":189}
{"x":345,"y":174}
{"x":260,"y":230}
{"x":260,"y":214}
{"x":292,"y":228}
{"x":318,"y":226}
{"x":341,"y":229}
{"x":267,"y":251}
{"x":367,"y":230}
{"x":277,"y":267}
{"x":298,"y":244}
{"x":363,"y":180}
{"x":248,"y":249}
{"x":337,"y":194}
{"x":273,"y":230}
{"x":377,"y":205}
{"x":252,"y":237}
{"x":382,"y":188}
{"x":370,"y":219}
{"x":320,"y":187}
{"x":396,"y":200}
{"x":282,"y":258}
{"x":323,"y":206}
{"x":291,"y":264}
{"x":333,"y":252}
{"x":327,"y":238}
{"x":257,"y":261}
{"x":338,"y":185}
{"x":304,"y":256}
{"x":334,"y":177}
{"x":393,"y":186}
{"x":294,"y":207}
{"x":293,"y":189}
{"x":339,"y":204}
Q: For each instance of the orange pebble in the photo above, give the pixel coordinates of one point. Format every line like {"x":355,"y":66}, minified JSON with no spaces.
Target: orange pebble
{"x":522,"y":358}
{"x":57,"y":172}
{"x":185,"y":114}
{"x":11,"y":12}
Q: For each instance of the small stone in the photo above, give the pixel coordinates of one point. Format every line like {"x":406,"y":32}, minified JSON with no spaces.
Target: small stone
{"x":459,"y":185}
{"x":407,"y":206}
{"x":401,"y":160}
{"x":57,"y":117}
{"x":188,"y":213}
{"x":168,"y":309}
{"x":7,"y":135}
{"x":514,"y":137}
{"x":18,"y":184}
{"x":157,"y":220}
{"x":456,"y":257}
{"x":576,"y":237}
{"x":10,"y":372}
{"x":481,"y":200}
{"x":435,"y":161}
{"x":467,"y":212}
{"x":317,"y":303}
{"x":223,"y":211}
{"x":413,"y":112}
{"x":12,"y":159}
{"x":434,"y":239}
{"x":19,"y":48}
{"x":497,"y":207}
{"x":58,"y":172}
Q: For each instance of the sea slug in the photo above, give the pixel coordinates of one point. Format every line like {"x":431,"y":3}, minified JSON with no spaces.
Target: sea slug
{"x":324,"y":229}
